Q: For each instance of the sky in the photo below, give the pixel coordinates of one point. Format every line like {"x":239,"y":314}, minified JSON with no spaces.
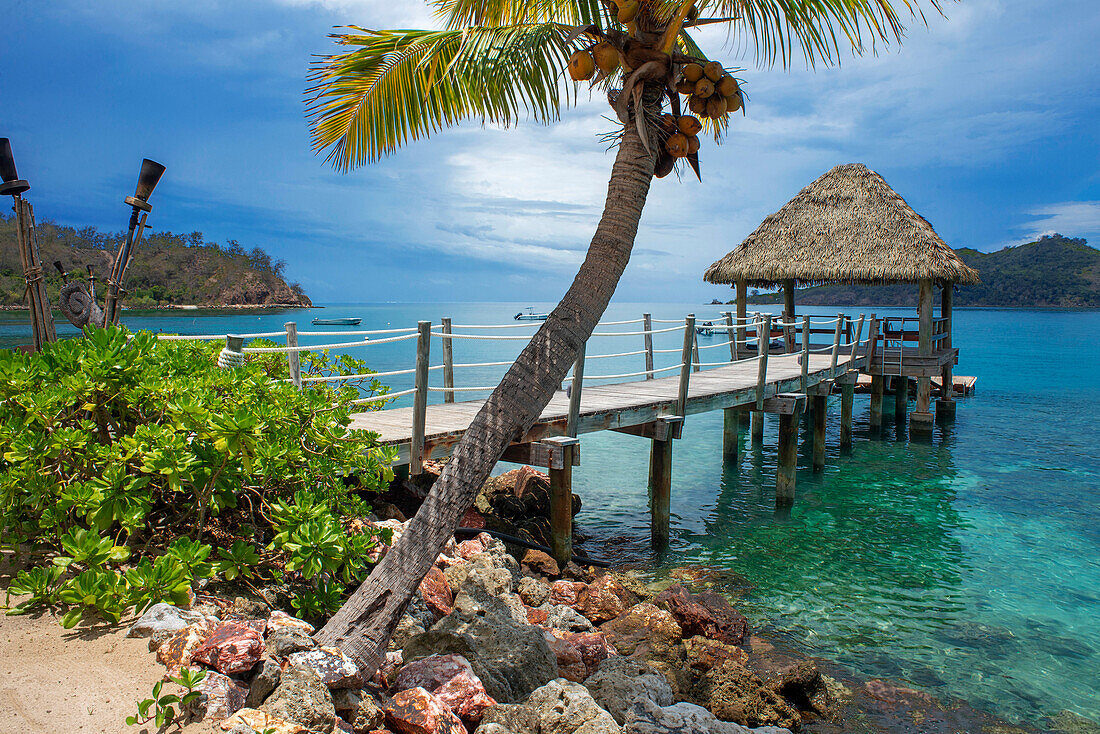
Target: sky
{"x":984,"y":120}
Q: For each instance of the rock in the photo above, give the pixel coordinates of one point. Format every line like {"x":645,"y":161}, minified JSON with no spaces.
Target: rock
{"x":534,"y":592}
{"x":803,"y":686}
{"x":245,"y":608}
{"x":232,"y":648}
{"x":475,"y":545}
{"x":703,"y":654}
{"x":653,"y":635}
{"x":541,"y":562}
{"x":559,"y":707}
{"x":346,"y":701}
{"x":473,"y":600}
{"x":264,"y":680}
{"x":733,"y":693}
{"x":1067,"y":722}
{"x":286,"y":641}
{"x":465,"y":695}
{"x":390,"y":665}
{"x":333,"y":667}
{"x":417,"y":711}
{"x":176,"y":651}
{"x":219,"y":698}
{"x":536,"y":616}
{"x":436,"y":593}
{"x":893,"y":694}
{"x":387,"y":511}
{"x":251,"y":720}
{"x":645,"y":717}
{"x":302,"y":698}
{"x":431,"y":672}
{"x":368,"y":717}
{"x":565,"y":592}
{"x":407,"y":628}
{"x":163,"y":619}
{"x":707,"y":614}
{"x":511,"y":658}
{"x":567,"y":619}
{"x":282,"y":621}
{"x":636,"y":589}
{"x":342,"y":727}
{"x":472,"y":519}
{"x":602,"y":600}
{"x":578,"y":653}
{"x":620,"y":682}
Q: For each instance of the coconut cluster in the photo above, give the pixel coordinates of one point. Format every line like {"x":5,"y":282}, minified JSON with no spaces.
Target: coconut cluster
{"x":710,"y":91}
{"x":583,"y":64}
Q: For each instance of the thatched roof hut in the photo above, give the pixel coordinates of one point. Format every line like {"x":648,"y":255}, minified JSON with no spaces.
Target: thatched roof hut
{"x":848,"y":226}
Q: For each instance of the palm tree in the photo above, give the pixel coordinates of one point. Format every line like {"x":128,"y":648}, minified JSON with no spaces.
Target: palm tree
{"x":498,"y":61}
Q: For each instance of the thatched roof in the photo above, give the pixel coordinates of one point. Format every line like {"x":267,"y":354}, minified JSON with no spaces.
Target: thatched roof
{"x":848,"y":226}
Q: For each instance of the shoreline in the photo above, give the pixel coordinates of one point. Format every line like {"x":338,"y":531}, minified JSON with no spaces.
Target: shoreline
{"x":192,"y":307}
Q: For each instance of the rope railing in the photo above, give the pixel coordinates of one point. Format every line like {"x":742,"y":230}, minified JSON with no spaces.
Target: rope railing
{"x":713,"y":346}
{"x":364,"y":343}
{"x":387,"y":396}
{"x":620,"y":354}
{"x":637,"y":333}
{"x":442,"y":335}
{"x":629,"y":374}
{"x":391,"y":373}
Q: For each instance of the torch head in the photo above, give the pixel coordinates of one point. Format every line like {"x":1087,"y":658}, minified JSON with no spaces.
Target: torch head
{"x":151,"y":171}
{"x":12,"y":185}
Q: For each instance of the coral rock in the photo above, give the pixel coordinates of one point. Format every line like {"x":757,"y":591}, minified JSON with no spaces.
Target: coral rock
{"x":602,"y":600}
{"x":707,"y":614}
{"x":257,"y":720}
{"x":703,"y":654}
{"x":452,"y":679}
{"x":335,"y":669}
{"x":578,"y":653}
{"x":559,"y":707}
{"x":233,"y":647}
{"x":281,"y":621}
{"x":436,"y":593}
{"x":475,"y":545}
{"x":565,"y":592}
{"x":219,"y":697}
{"x":620,"y":683}
{"x":287,"y":641}
{"x":302,"y":698}
{"x":176,"y":651}
{"x":417,"y":711}
{"x":651,"y":634}
{"x":541,"y":562}
{"x":163,"y":619}
{"x":733,"y":693}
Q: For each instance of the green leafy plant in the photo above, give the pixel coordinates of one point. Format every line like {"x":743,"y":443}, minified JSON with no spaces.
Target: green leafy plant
{"x":161,"y":709}
{"x":117,"y":451}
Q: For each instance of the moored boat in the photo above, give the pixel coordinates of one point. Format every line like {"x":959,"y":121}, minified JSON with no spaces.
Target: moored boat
{"x":350,"y":321}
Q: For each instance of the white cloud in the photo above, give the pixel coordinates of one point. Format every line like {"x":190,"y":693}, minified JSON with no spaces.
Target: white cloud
{"x":373,"y":13}
{"x":1071,"y":218}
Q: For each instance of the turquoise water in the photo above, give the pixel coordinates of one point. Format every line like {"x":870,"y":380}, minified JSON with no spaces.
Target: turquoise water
{"x":968,"y":565}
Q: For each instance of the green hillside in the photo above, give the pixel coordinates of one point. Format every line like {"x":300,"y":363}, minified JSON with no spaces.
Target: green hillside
{"x":1054,"y":271}
{"x":166,"y":269}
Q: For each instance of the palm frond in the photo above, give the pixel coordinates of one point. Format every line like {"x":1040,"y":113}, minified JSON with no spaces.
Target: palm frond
{"x":396,"y":86}
{"x":481,"y":13}
{"x":777,"y":27}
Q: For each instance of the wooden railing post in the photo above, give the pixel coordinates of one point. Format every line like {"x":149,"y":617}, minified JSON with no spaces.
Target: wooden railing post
{"x":647,"y":327}
{"x":695,"y":351}
{"x":731,"y":334}
{"x":763,"y":345}
{"x":805,"y":353}
{"x":872,"y":342}
{"x":420,"y":398}
{"x":576,"y":387}
{"x":292,"y":357}
{"x":836,"y":343}
{"x":854,"y":347}
{"x":685,"y":364}
{"x":448,"y":363}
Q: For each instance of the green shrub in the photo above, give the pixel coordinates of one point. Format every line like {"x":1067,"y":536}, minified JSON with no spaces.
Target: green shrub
{"x":116,"y":453}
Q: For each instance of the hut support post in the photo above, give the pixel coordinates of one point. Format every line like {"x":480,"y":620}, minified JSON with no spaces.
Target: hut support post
{"x":757,"y":427}
{"x":561,"y":497}
{"x":847,"y":398}
{"x":660,"y":490}
{"x":420,"y":399}
{"x":921,"y":420}
{"x":292,"y":357}
{"x":742,"y":313}
{"x":448,"y":363}
{"x":647,"y":327}
{"x":819,"y":406}
{"x":901,"y":397}
{"x":731,"y":434}
{"x":788,"y":314}
{"x":945,"y":407}
{"x":877,"y":384}
{"x":763,"y":342}
{"x":788,"y":456}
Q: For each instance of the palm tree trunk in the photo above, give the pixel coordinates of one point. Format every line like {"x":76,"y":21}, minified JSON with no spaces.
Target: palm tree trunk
{"x":363,"y":626}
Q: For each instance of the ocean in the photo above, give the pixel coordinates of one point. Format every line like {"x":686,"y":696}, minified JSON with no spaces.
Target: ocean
{"x":967,"y":566}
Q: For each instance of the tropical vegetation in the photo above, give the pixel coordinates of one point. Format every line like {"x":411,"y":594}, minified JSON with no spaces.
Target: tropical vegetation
{"x":132,"y":468}
{"x":499,"y":61}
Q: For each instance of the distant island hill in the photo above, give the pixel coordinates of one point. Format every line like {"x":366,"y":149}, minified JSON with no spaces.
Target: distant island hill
{"x":1052,"y":272}
{"x":167,"y":269}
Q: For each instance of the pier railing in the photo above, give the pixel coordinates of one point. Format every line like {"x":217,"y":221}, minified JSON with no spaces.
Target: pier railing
{"x":746,"y":340}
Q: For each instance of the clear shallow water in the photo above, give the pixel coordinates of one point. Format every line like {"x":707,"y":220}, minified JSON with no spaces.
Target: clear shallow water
{"x":968,"y":566}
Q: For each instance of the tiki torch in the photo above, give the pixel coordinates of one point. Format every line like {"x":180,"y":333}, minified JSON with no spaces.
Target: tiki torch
{"x":39,"y":304}
{"x":151,"y":171}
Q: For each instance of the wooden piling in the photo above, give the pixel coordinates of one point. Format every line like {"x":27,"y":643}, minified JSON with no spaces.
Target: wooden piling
{"x":788,"y":458}
{"x":757,"y":429}
{"x":847,"y":397}
{"x":945,"y":406}
{"x":660,"y":490}
{"x":448,"y":363}
{"x":292,"y":357}
{"x":420,"y":398}
{"x":877,"y":389}
{"x":921,"y":420}
{"x":901,"y":396}
{"x":819,"y":407}
{"x":731,"y":434}
{"x":561,"y":497}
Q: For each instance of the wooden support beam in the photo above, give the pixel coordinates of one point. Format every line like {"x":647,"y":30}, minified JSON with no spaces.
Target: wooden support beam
{"x":662,"y":429}
{"x":877,"y":384}
{"x":545,"y":453}
{"x":787,"y":403}
{"x":757,"y":432}
{"x":660,"y":491}
{"x":292,"y":359}
{"x":731,"y":434}
{"x":788,"y":459}
{"x":819,"y":406}
{"x":825,"y":387}
{"x":847,"y":398}
{"x":448,"y":363}
{"x":561,"y":496}
{"x":420,"y":398}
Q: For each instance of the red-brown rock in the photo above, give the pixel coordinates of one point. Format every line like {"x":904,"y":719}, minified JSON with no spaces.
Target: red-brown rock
{"x":602,"y":600}
{"x":281,"y":620}
{"x":175,"y":652}
{"x":704,"y":654}
{"x":466,"y":696}
{"x":707,"y":614}
{"x":220,"y":697}
{"x":474,"y":545}
{"x":451,"y":679}
{"x":536,"y":616}
{"x":540,"y":562}
{"x":472,"y":519}
{"x":578,"y":653}
{"x":233,"y":647}
{"x":527,"y":478}
{"x":417,"y":711}
{"x":437,"y":593}
{"x":565,"y":592}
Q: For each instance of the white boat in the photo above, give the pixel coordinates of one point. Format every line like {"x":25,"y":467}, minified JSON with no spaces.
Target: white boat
{"x":529,"y":315}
